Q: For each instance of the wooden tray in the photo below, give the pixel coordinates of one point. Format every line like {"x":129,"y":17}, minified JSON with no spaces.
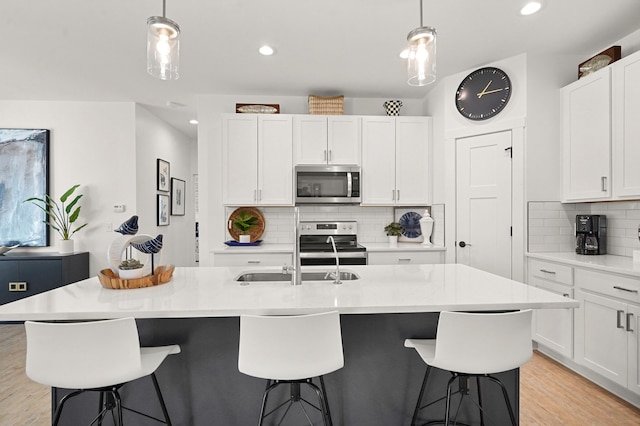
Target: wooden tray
{"x":162,"y":275}
{"x":257,"y":230}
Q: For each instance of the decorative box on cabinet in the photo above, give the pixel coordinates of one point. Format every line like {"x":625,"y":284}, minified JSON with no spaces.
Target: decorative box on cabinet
{"x":257,"y":161}
{"x":553,"y":328}
{"x":26,"y":274}
{"x":396,"y":161}
{"x":607,"y":326}
{"x":321,"y":139}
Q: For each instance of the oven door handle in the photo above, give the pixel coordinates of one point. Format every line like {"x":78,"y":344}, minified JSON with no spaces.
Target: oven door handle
{"x":349,"y":184}
{"x":328,"y":254}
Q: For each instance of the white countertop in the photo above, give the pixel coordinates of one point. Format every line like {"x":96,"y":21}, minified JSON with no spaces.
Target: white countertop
{"x":288,"y":248}
{"x":604,"y":262}
{"x":212,"y":292}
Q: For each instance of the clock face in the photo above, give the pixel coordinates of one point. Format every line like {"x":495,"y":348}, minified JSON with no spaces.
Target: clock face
{"x":483,"y":93}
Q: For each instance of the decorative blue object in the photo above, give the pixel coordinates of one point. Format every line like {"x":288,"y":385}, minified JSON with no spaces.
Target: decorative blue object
{"x":410,"y":222}
{"x":149,"y":246}
{"x":130,"y":227}
{"x":232,"y":243}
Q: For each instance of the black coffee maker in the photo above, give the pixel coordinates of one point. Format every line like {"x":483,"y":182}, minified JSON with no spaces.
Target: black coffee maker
{"x":591,"y":234}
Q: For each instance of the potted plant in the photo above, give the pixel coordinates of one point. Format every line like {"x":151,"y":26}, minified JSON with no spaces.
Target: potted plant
{"x":130,"y":269}
{"x":61,"y":217}
{"x":244,"y":222}
{"x":393,"y":230}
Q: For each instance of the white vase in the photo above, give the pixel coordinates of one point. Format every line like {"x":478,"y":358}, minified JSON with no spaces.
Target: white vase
{"x":245,"y":238}
{"x":130,"y":274}
{"x":393,"y":240}
{"x":65,"y":246}
{"x":426,"y":226}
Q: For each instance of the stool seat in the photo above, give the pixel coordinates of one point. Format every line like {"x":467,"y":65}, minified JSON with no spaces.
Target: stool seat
{"x":98,"y":356}
{"x":475,"y":344}
{"x":291,"y":350}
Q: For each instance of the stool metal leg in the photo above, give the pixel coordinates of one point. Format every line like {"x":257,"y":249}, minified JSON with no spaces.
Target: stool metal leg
{"x":326,"y":400}
{"x":506,"y":399}
{"x":480,"y":401}
{"x":162,"y":404}
{"x":422,"y":388}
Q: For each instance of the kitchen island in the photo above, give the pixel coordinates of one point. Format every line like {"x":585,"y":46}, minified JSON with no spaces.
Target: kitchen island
{"x":199,"y":310}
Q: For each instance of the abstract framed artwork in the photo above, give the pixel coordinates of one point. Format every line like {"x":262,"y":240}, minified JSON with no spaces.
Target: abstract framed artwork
{"x":163,"y":170}
{"x":24,"y":173}
{"x":178,"y":187}
{"x":163,"y":210}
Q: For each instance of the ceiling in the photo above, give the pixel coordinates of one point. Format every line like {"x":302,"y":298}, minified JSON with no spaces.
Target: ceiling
{"x":91,"y":50}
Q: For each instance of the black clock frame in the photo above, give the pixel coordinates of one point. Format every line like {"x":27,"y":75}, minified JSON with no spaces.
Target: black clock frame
{"x":481,"y":95}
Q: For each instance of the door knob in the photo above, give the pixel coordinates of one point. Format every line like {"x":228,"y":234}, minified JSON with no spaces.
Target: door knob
{"x":463,"y":244}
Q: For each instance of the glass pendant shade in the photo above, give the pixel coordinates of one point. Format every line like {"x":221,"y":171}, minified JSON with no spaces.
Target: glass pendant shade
{"x":163,"y":48}
{"x":421,"y":63}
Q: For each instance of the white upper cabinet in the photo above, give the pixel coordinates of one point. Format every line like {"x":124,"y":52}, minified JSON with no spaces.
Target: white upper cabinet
{"x":396,"y":161}
{"x":322,"y":139}
{"x":257,"y":159}
{"x":626,"y":127}
{"x":586,"y":138}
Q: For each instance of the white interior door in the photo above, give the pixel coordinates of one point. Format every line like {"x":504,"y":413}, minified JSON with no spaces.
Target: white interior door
{"x":483,"y":213}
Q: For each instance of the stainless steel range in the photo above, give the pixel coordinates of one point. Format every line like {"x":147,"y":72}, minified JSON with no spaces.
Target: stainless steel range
{"x":315,"y":249}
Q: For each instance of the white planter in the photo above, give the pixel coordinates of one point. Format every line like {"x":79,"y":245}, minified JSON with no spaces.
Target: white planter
{"x":393,"y":240}
{"x":65,"y":246}
{"x":245,"y":238}
{"x":130,"y":274}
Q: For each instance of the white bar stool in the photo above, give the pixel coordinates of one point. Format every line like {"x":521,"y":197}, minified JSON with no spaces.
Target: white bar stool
{"x":291,"y":350}
{"x":96,"y":356}
{"x":475,"y":345}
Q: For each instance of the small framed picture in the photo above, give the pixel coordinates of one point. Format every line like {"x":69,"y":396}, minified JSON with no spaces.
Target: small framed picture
{"x":163,"y":175}
{"x":177,"y":197}
{"x":163,"y":210}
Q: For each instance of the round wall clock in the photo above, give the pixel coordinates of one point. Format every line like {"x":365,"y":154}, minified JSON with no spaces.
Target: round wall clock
{"x":483,"y":93}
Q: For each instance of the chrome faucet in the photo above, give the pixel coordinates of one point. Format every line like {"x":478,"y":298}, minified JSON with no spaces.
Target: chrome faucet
{"x":296,"y":269}
{"x":337,"y":273}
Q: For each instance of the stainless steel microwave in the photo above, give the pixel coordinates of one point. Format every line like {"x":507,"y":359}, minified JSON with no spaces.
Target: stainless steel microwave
{"x":327,"y":184}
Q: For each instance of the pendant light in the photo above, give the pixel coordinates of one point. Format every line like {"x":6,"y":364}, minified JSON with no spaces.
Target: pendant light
{"x":421,"y":62}
{"x":163,"y":46}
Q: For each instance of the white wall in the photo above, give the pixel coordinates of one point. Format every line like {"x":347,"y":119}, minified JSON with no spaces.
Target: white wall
{"x":156,"y":139}
{"x":92,"y":145}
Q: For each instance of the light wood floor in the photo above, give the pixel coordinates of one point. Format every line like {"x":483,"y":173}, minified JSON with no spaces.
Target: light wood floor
{"x":550,"y":393}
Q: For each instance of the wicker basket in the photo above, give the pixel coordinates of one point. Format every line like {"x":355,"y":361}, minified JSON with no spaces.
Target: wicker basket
{"x":162,"y":275}
{"x":326,"y":105}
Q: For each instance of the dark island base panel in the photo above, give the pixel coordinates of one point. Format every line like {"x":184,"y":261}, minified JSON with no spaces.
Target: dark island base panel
{"x":377,"y":387}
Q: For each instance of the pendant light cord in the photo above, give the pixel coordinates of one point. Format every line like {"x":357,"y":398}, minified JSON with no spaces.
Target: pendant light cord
{"x":420,"y":14}
{"x":164,"y":9}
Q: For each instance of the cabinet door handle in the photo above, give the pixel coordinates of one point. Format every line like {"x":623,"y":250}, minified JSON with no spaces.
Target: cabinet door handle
{"x":255,"y":195}
{"x":566,"y":295}
{"x":404,"y":259}
{"x":619,"y":323}
{"x":18,"y":286}
{"x":604,"y":183}
{"x":330,"y":156}
{"x":398,"y":195}
{"x":548,"y":272}
{"x":259,"y":194}
{"x":625,"y":289}
{"x":629,"y":319}
{"x":393,"y":194}
{"x":253,"y":261}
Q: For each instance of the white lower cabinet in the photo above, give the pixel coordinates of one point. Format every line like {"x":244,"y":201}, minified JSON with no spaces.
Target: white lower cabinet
{"x":553,"y":328}
{"x":607,"y":325}
{"x":404,"y":258}
{"x":252,"y":259}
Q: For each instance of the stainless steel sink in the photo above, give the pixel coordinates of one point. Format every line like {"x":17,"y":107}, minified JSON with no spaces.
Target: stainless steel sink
{"x":306,"y":276}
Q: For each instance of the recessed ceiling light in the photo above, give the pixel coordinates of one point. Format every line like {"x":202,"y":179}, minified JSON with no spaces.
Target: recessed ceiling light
{"x":531,"y":7}
{"x":193,"y":121}
{"x":266,"y":50}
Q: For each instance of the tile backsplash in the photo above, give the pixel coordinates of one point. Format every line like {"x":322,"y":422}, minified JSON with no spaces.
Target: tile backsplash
{"x":551,"y":225}
{"x":371,"y":221}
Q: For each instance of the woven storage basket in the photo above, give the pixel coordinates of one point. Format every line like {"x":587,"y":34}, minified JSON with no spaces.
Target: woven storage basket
{"x":326,"y":104}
